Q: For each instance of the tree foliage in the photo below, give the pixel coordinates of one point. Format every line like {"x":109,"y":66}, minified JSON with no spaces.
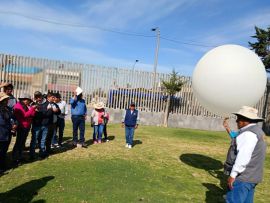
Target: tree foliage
{"x":174,"y":85}
{"x":262,"y":45}
{"x":171,"y":87}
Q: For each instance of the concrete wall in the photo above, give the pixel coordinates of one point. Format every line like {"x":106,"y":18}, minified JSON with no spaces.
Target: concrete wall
{"x":175,"y":120}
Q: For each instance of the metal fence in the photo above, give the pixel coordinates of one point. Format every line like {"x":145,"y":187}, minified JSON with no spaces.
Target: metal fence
{"x":117,"y":87}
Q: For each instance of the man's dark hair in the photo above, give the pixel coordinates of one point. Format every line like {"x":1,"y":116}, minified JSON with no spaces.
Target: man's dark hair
{"x":57,"y":95}
{"x":79,"y":97}
{"x":37,"y":94}
{"x":132,"y":105}
{"x":243,"y":118}
{"x":9,"y":86}
{"x":50,"y":94}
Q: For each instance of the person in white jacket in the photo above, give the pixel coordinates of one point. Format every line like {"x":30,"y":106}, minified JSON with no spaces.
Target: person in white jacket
{"x":60,"y":124}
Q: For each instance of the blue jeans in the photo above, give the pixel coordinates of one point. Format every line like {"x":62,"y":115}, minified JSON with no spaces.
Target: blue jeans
{"x":98,"y":130}
{"x":36,"y":132}
{"x":78,"y":123}
{"x":129,"y":134}
{"x":242,"y":192}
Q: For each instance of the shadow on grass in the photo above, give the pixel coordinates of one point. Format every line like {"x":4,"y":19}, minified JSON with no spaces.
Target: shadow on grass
{"x":212,"y":166}
{"x":25,"y":192}
{"x":90,"y":142}
{"x":111,"y":137}
{"x":201,"y":162}
{"x":67,"y":145}
{"x":136,"y":142}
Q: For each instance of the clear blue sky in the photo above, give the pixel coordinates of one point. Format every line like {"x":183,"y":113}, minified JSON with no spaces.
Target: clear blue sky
{"x":211,"y":22}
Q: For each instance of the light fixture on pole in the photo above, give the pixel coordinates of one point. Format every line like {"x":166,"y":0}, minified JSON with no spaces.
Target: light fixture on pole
{"x":133,"y":67}
{"x":156,"y":55}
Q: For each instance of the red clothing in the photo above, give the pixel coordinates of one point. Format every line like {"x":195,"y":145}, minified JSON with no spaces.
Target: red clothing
{"x":100,"y":119}
{"x":23,"y":117}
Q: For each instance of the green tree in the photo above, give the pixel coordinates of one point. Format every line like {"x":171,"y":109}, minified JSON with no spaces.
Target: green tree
{"x":262,"y":47}
{"x":171,"y":87}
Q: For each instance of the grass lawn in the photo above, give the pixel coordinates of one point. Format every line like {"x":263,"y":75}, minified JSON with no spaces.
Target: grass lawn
{"x":166,"y":165}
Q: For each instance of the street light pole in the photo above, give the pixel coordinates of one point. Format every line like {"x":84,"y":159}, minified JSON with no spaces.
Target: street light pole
{"x":133,"y":67}
{"x":156,"y":55}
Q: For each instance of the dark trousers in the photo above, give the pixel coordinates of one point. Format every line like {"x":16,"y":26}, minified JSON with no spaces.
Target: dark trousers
{"x":22,"y":134}
{"x":3,"y":154}
{"x":78,"y":123}
{"x":60,"y":127}
{"x":51,"y":129}
{"x":105,"y":132}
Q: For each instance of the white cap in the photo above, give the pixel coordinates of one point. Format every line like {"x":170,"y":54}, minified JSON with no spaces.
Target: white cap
{"x":78,"y":91}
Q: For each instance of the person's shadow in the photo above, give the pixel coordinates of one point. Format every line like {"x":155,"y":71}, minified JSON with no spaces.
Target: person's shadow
{"x":25,"y":192}
{"x":214,"y":193}
{"x":136,"y":142}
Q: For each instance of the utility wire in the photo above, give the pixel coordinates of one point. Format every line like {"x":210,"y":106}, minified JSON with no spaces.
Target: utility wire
{"x":187,"y":43}
{"x":74,"y":24}
{"x":99,"y":28}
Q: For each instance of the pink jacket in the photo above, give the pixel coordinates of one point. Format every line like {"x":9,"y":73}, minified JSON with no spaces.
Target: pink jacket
{"x":23,"y":117}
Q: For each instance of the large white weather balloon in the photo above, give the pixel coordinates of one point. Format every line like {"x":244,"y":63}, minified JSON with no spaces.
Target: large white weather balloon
{"x":228,"y":77}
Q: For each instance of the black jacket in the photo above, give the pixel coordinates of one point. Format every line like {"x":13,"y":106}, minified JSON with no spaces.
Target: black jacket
{"x":44,"y":116}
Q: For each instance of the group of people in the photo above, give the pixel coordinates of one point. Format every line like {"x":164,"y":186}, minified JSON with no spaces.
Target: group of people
{"x":44,"y":116}
{"x":99,"y":119}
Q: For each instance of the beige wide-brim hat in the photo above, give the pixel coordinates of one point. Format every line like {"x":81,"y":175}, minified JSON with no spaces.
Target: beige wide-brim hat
{"x":25,"y":96}
{"x":99,"y":105}
{"x":249,"y":112}
{"x":3,"y":96}
{"x":78,"y":91}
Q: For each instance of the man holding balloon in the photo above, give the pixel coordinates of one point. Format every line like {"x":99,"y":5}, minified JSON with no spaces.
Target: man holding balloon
{"x":226,"y":79}
{"x":247,"y":168}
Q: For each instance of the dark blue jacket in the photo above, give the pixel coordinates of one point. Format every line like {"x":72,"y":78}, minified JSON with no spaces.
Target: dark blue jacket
{"x":5,"y":124}
{"x":131,"y":119}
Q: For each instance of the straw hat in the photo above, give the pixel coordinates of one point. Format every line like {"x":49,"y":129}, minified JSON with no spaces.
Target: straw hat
{"x":78,"y":91}
{"x":3,"y":96}
{"x":249,"y":112}
{"x":25,"y":96}
{"x":99,"y":105}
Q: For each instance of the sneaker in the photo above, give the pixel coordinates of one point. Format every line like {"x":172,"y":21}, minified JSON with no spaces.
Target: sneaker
{"x":52,"y":146}
{"x":56,"y":146}
{"x":107,"y":140}
{"x":84,"y":145}
{"x":99,"y":141}
{"x":95,"y":142}
{"x":129,"y":146}
{"x":74,"y":143}
{"x":79,"y":145}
